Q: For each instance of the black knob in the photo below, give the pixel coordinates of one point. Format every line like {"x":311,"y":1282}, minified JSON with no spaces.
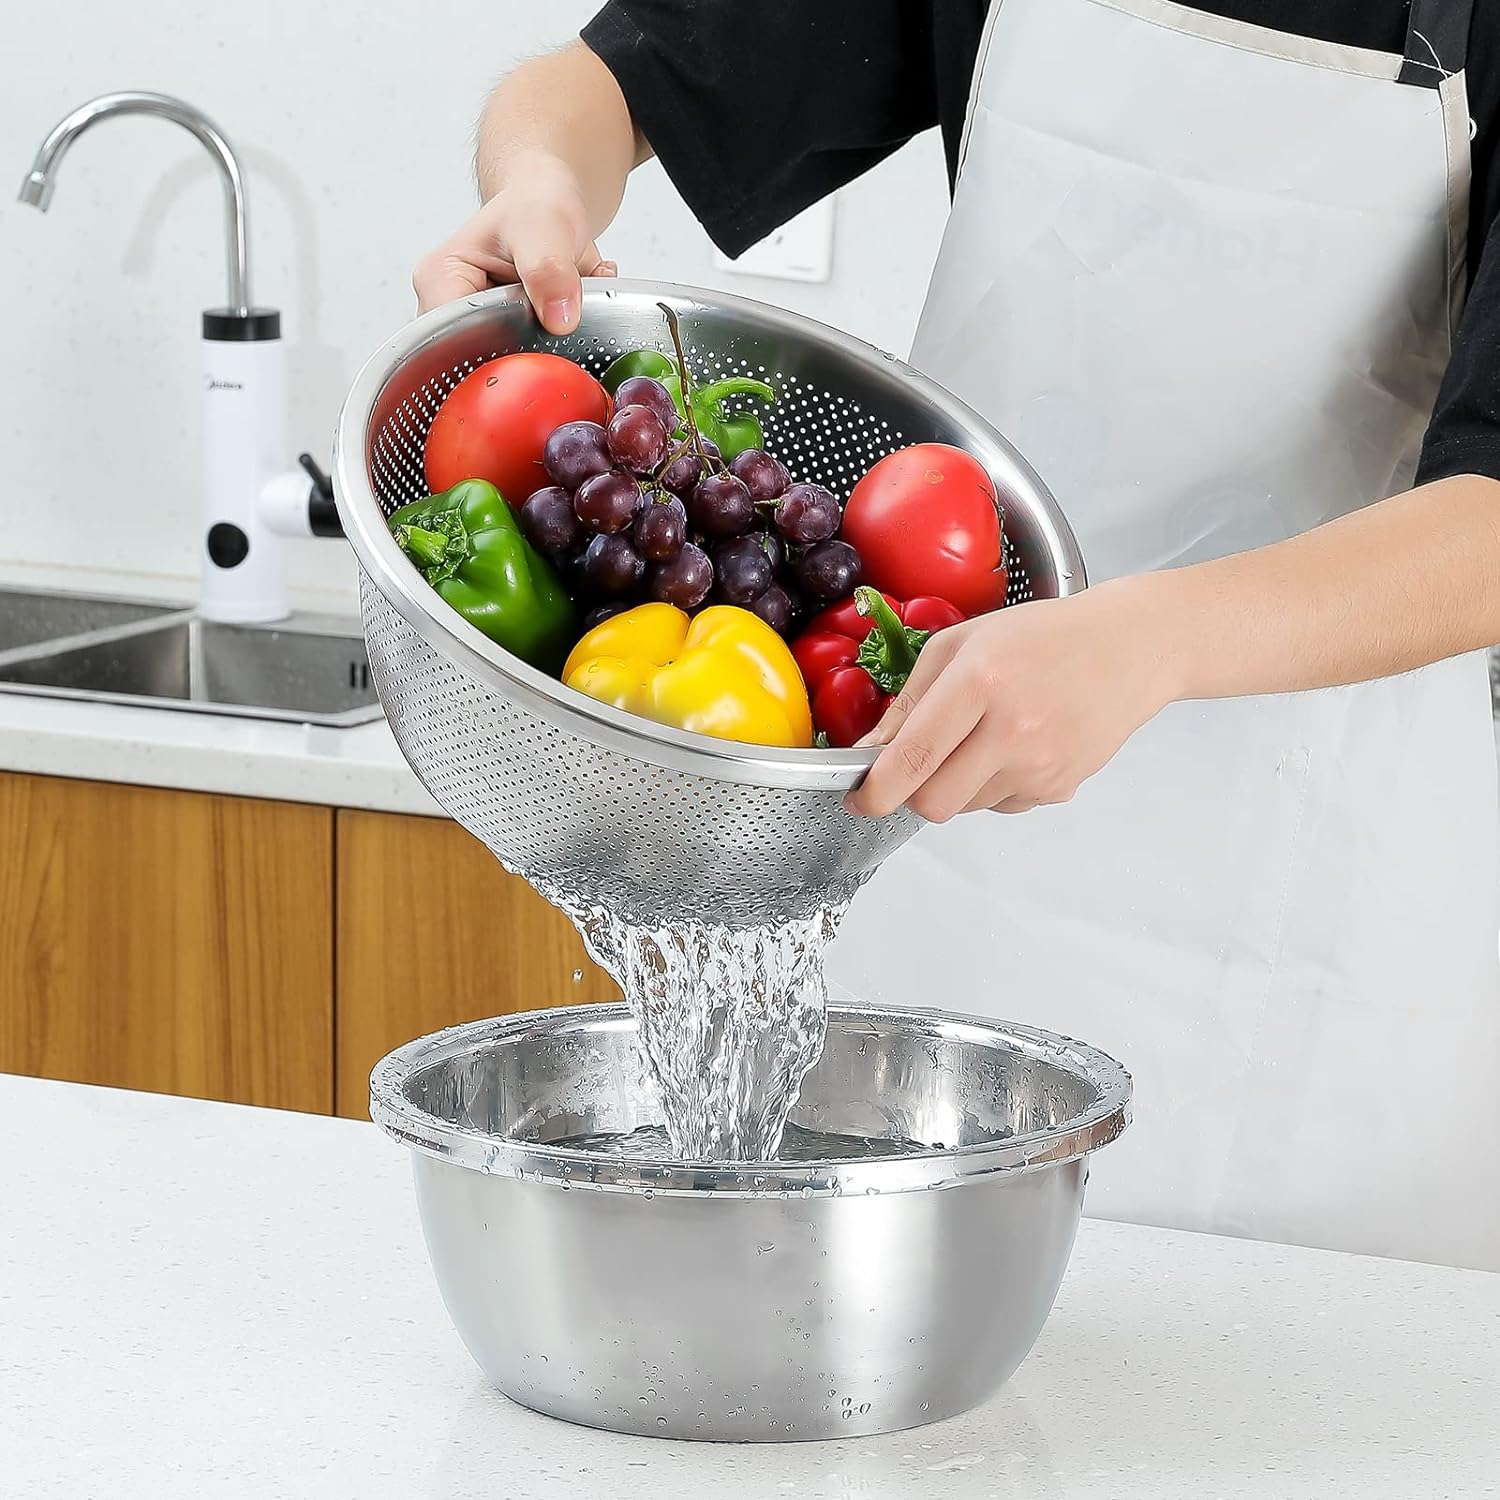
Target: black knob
{"x":322,"y":513}
{"x":228,"y":546}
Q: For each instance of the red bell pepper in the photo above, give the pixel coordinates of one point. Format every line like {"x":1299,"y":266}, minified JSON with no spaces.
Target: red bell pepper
{"x":857,"y":656}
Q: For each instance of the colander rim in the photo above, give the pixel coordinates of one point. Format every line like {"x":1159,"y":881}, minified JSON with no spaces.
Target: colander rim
{"x":404,"y":590}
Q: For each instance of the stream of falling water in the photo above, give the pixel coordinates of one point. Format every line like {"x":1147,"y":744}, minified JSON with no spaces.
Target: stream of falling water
{"x":729,"y":1020}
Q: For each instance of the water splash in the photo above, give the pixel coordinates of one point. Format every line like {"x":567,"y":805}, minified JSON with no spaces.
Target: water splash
{"x":729,"y":1020}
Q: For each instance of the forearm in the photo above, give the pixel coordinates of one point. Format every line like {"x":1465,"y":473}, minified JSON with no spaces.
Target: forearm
{"x":1398,"y":585}
{"x":563,"y":113}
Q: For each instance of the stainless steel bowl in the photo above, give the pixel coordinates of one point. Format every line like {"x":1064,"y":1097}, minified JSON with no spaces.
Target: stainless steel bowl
{"x":751,"y":1301}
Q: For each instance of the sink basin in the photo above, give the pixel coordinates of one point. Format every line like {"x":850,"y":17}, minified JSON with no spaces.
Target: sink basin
{"x":29,"y":617}
{"x":306,"y":672}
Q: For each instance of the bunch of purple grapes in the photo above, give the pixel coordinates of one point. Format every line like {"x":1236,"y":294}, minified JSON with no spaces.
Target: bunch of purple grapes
{"x":638,"y":511}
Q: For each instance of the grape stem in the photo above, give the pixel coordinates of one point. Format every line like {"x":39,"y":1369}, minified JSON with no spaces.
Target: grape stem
{"x":674,"y":455}
{"x":709,"y":462}
{"x":687,"y":389}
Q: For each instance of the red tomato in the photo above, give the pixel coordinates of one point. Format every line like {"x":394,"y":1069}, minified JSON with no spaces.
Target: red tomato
{"x":496,"y":421}
{"x":924,"y":521}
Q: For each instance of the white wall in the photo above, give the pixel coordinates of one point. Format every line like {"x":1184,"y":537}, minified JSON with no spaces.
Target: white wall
{"x":355,"y":124}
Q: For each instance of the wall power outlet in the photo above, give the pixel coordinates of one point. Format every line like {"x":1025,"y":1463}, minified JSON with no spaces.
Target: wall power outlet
{"x":801,"y":250}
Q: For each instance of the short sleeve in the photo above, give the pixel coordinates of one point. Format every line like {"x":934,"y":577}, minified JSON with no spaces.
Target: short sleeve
{"x":757,"y":110}
{"x":1464,"y":435}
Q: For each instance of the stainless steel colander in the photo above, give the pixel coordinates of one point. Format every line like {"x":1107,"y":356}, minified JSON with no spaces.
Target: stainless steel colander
{"x":581,"y":798}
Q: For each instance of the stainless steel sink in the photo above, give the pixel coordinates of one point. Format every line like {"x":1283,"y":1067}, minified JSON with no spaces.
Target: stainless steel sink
{"x":306,"y":670}
{"x":29,"y":617}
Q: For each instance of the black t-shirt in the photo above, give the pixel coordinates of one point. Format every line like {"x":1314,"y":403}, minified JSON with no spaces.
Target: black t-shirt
{"x":758,"y":108}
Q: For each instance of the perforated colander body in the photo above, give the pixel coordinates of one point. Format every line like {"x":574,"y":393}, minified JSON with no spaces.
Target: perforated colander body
{"x":588,"y":801}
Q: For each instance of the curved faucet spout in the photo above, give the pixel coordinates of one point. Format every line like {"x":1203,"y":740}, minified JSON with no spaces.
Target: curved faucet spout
{"x":38,"y":186}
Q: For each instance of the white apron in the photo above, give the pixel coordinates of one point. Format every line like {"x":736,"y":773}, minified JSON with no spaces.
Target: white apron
{"x":1203,"y":275}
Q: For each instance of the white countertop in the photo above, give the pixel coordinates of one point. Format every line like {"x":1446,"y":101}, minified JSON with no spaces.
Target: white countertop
{"x":195,"y":751}
{"x":203,"y":1299}
{"x":358,"y":767}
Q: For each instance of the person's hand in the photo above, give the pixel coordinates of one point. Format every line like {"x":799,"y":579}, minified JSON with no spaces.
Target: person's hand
{"x":533,"y":231}
{"x":1018,"y":708}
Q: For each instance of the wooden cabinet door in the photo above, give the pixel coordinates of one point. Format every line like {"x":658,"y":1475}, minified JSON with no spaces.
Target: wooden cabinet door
{"x":167,"y":941}
{"x":431,"y":932}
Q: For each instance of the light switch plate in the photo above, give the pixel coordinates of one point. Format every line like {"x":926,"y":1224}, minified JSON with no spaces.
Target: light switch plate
{"x":801,"y":250}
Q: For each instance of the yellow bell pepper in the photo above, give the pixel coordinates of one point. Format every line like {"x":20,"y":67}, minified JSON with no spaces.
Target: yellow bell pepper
{"x":725,"y":673}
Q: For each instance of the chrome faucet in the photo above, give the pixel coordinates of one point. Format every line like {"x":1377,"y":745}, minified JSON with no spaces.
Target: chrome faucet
{"x":249,"y":502}
{"x":38,"y":187}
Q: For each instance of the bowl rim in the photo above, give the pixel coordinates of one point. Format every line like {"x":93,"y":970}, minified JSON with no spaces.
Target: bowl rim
{"x":403,"y":590}
{"x":1099,"y":1124}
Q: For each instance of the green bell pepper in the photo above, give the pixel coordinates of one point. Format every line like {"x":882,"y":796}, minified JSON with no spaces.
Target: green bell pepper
{"x":649,"y":362}
{"x":467,"y":544}
{"x":730,"y":431}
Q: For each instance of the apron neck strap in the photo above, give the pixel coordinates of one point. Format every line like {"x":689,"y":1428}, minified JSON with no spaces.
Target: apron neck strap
{"x":1437,"y":41}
